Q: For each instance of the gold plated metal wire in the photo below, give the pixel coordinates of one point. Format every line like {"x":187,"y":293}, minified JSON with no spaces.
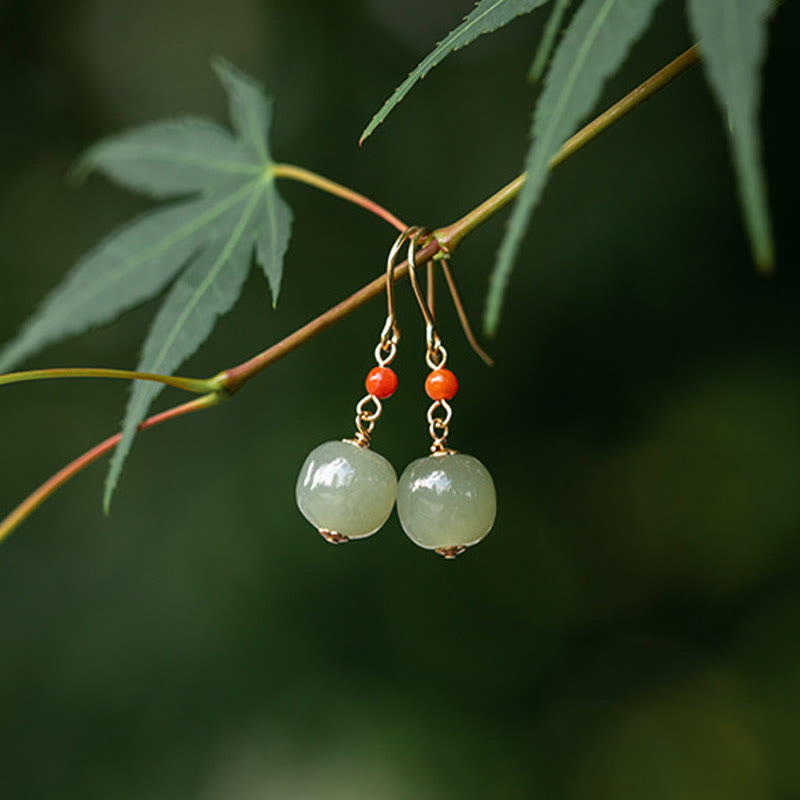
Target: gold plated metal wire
{"x":435,"y":356}
{"x":439,"y":427}
{"x":460,"y":310}
{"x":430,"y":326}
{"x":385,"y":350}
{"x":427,"y":305}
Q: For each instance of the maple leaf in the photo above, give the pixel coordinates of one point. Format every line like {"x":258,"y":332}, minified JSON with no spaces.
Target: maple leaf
{"x":229,"y":212}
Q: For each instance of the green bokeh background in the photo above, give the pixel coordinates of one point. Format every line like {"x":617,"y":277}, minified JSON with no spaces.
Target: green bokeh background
{"x":630,"y":627}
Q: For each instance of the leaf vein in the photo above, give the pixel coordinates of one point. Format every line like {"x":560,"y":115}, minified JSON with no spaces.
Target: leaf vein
{"x":233,"y":240}
{"x":133,"y":261}
{"x":166,"y":154}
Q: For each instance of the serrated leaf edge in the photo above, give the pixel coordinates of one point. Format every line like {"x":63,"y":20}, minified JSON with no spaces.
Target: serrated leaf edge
{"x":441,"y":50}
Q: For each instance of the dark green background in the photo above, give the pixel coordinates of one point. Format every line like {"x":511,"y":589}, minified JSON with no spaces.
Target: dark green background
{"x":628,"y":630}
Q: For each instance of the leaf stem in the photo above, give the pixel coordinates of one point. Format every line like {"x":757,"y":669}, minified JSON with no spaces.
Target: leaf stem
{"x":303,"y":175}
{"x":196,"y":385}
{"x":34,"y":500}
{"x":452,"y":235}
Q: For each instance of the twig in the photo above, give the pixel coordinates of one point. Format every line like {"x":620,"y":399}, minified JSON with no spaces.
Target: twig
{"x":34,"y":500}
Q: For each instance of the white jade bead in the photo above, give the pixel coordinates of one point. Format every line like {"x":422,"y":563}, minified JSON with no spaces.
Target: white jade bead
{"x":446,"y":502}
{"x":347,"y":489}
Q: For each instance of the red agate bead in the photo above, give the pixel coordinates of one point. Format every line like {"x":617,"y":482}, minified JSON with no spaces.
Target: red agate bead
{"x":441,"y":384}
{"x":381,"y":382}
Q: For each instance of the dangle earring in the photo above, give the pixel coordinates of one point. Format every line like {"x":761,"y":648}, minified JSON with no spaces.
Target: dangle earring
{"x":345,"y":490}
{"x":446,"y":501}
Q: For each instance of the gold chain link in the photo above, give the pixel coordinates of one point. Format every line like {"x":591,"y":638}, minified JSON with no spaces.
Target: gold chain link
{"x":439,"y":426}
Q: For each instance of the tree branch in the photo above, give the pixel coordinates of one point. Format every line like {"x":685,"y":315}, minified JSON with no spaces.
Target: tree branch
{"x":34,"y":500}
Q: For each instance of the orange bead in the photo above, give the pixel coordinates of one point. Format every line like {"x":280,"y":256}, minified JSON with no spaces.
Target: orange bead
{"x":381,"y":382}
{"x":441,"y":384}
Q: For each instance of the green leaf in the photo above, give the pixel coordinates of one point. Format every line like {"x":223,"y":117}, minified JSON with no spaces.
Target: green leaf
{"x":732,"y":36}
{"x":230,"y":214}
{"x":259,"y":221}
{"x":548,"y":40}
{"x":208,"y":288}
{"x":274,"y":219}
{"x":170,"y":159}
{"x":129,"y":266}
{"x":487,"y":16}
{"x":249,"y":108}
{"x":595,"y":44}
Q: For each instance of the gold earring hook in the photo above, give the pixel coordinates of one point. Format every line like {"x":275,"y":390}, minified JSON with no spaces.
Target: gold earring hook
{"x":427,"y":306}
{"x":390,"y":326}
{"x":411,"y":259}
{"x":436,"y":355}
{"x":390,"y":335}
{"x":460,"y":310}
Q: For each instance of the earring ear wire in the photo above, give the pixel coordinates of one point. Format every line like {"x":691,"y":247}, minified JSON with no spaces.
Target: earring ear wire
{"x":446,"y":501}
{"x":432,"y":337}
{"x":427,"y":303}
{"x":391,"y":331}
{"x":461,"y":311}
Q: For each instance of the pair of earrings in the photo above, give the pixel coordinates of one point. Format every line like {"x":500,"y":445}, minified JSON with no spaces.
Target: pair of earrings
{"x":446,"y":501}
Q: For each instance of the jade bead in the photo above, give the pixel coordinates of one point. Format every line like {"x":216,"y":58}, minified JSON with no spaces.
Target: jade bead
{"x":446,"y":502}
{"x":346,"y":489}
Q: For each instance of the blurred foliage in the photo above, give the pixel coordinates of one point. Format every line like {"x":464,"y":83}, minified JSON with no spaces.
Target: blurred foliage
{"x":628,"y":629}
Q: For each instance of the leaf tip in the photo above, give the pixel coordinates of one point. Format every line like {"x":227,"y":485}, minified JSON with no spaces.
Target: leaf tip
{"x":535,"y":72}
{"x":491,"y":318}
{"x":765,"y":263}
{"x":110,"y":485}
{"x":373,"y":123}
{"x":222,"y":66}
{"x":365,"y":134}
{"x":761,"y":245}
{"x":78,"y":172}
{"x":230,"y":75}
